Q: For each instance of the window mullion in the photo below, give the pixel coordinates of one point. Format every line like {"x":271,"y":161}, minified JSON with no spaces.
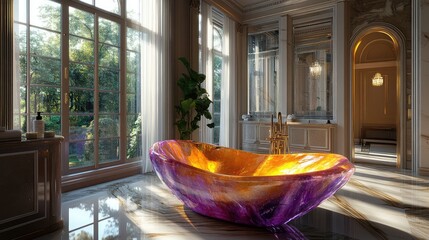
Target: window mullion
{"x":65,"y":90}
{"x":27,"y":36}
{"x":96,"y":93}
{"x":122,"y":87}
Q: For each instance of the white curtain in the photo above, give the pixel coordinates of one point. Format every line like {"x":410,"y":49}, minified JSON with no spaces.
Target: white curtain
{"x":228,"y":119}
{"x":207,"y":63}
{"x":155,"y":75}
{"x":228,"y":106}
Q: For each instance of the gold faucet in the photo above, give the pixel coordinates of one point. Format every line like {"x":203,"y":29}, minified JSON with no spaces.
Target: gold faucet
{"x":277,"y":136}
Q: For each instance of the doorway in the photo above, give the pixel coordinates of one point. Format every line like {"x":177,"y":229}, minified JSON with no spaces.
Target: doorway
{"x":376,"y":89}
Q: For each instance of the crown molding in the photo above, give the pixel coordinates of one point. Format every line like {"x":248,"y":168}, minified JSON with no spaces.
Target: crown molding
{"x":269,"y":10}
{"x":229,"y":7}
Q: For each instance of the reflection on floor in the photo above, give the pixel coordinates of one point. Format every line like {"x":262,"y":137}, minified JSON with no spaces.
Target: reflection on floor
{"x":377,"y":203}
{"x":377,"y":153}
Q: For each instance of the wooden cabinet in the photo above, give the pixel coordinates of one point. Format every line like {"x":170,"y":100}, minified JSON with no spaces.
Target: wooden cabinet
{"x":255,"y":135}
{"x":30,"y":180}
{"x":311,"y":137}
{"x":303,"y":137}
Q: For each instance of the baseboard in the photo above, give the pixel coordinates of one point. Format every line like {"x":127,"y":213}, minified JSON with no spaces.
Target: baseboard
{"x":423,"y":171}
{"x":89,"y":178}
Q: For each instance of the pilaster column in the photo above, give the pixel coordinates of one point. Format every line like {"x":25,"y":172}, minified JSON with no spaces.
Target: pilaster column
{"x":194,"y":10}
{"x":6,"y":63}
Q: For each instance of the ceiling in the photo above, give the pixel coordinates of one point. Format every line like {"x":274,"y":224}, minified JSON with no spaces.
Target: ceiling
{"x":246,"y":11}
{"x":246,"y":3}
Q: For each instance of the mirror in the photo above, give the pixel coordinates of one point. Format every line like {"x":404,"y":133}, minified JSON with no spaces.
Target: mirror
{"x":312,"y":82}
{"x":263,"y":62}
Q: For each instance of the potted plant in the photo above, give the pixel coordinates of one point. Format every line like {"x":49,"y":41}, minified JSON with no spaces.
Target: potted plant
{"x":195,"y":102}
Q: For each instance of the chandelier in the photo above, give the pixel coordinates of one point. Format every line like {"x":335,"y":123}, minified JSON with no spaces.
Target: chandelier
{"x":377,"y":80}
{"x":315,"y":69}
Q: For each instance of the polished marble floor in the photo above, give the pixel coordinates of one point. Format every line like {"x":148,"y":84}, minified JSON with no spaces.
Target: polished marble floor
{"x":377,"y":203}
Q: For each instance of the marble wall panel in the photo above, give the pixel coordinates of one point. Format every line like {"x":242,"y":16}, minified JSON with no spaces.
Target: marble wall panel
{"x":424,"y":161}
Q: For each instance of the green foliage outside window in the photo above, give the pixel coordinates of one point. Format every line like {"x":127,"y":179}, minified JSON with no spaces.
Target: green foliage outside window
{"x":41,"y":90}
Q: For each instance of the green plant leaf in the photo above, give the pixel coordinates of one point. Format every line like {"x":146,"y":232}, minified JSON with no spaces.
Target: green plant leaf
{"x":195,"y":102}
{"x":187,"y":105}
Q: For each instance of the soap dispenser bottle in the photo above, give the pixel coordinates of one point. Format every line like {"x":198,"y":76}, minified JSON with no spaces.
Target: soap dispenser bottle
{"x":39,"y":126}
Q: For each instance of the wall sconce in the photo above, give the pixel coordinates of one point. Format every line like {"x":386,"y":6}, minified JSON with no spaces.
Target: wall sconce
{"x":315,"y":69}
{"x":377,"y":80}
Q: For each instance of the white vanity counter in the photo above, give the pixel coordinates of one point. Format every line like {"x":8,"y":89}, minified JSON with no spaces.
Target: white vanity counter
{"x":303,"y":137}
{"x":311,"y":137}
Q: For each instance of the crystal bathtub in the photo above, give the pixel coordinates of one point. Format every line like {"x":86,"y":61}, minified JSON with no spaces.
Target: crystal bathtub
{"x":247,"y":188}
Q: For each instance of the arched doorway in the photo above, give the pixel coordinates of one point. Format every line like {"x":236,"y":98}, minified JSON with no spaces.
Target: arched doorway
{"x":377,"y":97}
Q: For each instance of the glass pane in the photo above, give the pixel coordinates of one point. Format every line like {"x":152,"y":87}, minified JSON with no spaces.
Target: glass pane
{"x":217,"y":38}
{"x":217,"y":76}
{"x":132,"y":103}
{"x":45,"y":71}
{"x":108,"y":32}
{"x":45,"y":99}
{"x":53,"y":123}
{"x":262,"y":72}
{"x":81,"y":101}
{"x":21,"y":37}
{"x":45,"y":14}
{"x":20,"y":10}
{"x":108,"y":150}
{"x":23,"y":97}
{"x":133,"y":9}
{"x":23,"y":123}
{"x":45,"y":43}
{"x":133,"y":62}
{"x":109,"y":102}
{"x":81,"y":75}
{"x":108,"y":5}
{"x":108,"y":126}
{"x":81,"y":50}
{"x":216,"y":106}
{"x":133,"y":39}
{"x":216,"y":134}
{"x":109,"y":56}
{"x":81,"y":127}
{"x":88,"y":1}
{"x":263,"y":82}
{"x":132,"y":80}
{"x":134,"y":146}
{"x":81,"y":23}
{"x":81,"y":154}
{"x":108,"y":79}
{"x":133,"y":124}
{"x":312,"y":83}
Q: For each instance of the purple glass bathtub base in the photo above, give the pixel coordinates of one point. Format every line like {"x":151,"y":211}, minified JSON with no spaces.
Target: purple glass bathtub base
{"x":264,"y":213}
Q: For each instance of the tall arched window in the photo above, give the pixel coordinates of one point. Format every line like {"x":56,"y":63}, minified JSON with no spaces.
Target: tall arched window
{"x":218,"y":51}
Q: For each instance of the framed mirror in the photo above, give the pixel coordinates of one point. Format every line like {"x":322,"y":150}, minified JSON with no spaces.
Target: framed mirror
{"x":263,"y":63}
{"x":312,"y":71}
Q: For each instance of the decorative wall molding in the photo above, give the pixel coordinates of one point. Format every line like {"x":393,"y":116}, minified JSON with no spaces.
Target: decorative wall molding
{"x":265,"y":4}
{"x":194,"y":4}
{"x":415,"y":87}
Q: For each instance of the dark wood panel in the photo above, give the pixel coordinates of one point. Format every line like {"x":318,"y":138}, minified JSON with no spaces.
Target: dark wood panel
{"x":30,"y":178}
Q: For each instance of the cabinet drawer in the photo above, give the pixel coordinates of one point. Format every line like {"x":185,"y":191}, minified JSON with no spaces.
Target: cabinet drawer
{"x":297,"y":137}
{"x":318,"y":139}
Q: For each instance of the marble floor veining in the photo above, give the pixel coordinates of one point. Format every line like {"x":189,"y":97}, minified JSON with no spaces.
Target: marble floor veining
{"x":377,"y":203}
